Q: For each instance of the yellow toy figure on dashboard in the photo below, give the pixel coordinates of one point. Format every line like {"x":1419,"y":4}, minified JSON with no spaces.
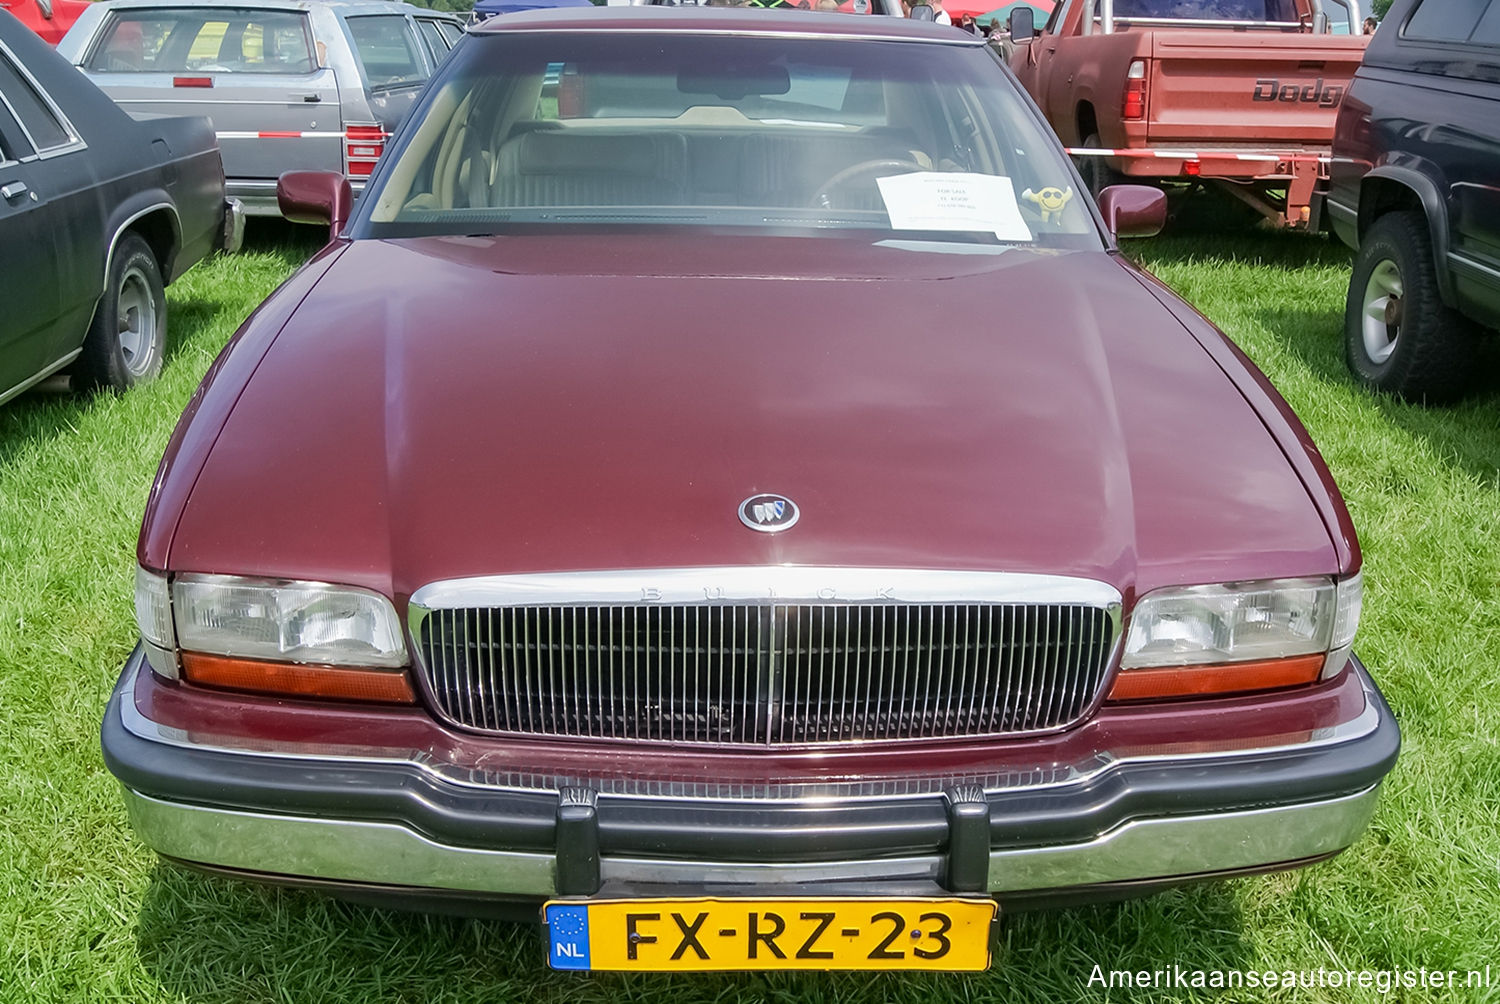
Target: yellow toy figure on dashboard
{"x":1050,"y":200}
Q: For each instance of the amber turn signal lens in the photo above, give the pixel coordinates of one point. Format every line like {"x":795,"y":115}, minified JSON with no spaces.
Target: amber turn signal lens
{"x":286,"y":679}
{"x":1223,"y":678}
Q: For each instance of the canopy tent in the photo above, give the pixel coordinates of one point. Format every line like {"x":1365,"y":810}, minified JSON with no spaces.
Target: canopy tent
{"x":985,"y":13}
{"x":489,"y":8}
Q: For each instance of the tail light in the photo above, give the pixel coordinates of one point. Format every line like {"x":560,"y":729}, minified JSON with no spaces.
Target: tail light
{"x":1135,"y":90}
{"x":363,"y":145}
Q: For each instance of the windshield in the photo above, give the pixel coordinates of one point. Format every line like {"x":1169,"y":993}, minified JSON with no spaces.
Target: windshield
{"x":813,"y":135}
{"x":841,"y":6}
{"x":205,"y":39}
{"x":1253,"y":11}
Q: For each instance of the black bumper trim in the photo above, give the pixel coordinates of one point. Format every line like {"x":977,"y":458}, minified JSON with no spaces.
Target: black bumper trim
{"x":728,"y":831}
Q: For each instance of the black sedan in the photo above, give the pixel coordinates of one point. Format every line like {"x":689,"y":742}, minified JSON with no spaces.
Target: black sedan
{"x":97,"y":213}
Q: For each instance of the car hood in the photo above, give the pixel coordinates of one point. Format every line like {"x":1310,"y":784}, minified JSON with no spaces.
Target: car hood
{"x":444,"y":407}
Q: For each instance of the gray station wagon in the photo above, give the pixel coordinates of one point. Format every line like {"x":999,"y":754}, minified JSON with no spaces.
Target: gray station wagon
{"x":289,"y":85}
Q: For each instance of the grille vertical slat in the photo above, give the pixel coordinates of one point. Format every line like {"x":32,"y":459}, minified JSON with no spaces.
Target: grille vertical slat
{"x":990,"y":661}
{"x":770,"y":673}
{"x":900,"y":715}
{"x":1005,"y":701}
{"x":870,"y":725}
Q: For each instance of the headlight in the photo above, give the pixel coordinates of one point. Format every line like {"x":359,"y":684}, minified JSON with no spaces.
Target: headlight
{"x":1238,"y":637}
{"x":303,"y":622}
{"x":274,"y":636}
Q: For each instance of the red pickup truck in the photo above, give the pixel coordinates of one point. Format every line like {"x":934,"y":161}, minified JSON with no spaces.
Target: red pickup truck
{"x":1242,"y":93}
{"x":50,"y":19}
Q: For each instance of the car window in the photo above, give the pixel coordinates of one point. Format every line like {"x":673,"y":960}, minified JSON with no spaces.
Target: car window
{"x":1445,"y":20}
{"x":1267,"y":11}
{"x":1059,"y":14}
{"x":215,"y":39}
{"x":13,"y":145}
{"x":451,"y":32}
{"x":44,"y":124}
{"x":437,"y":45}
{"x":1487,"y":32}
{"x":813,"y":135}
{"x":387,"y":51}
{"x":831,"y":6}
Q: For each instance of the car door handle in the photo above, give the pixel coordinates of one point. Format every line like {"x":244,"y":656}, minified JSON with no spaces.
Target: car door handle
{"x":14,"y":190}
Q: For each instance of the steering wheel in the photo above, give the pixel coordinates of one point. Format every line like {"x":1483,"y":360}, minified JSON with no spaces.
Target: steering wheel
{"x":823,"y":196}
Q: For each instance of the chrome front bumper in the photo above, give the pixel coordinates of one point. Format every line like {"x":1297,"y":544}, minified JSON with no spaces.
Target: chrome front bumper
{"x":367,"y":852}
{"x":422,"y":830}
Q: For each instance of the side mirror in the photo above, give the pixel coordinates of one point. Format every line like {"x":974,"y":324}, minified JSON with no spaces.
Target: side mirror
{"x":922,"y":12}
{"x":1133,"y":210}
{"x":1022,"y":24}
{"x":315,"y":197}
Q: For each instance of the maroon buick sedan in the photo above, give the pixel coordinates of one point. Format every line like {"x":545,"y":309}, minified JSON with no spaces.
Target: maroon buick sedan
{"x":723,"y":488}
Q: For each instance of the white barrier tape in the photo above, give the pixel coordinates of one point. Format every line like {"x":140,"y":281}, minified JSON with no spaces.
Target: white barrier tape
{"x":1093,"y":151}
{"x":277,"y":134}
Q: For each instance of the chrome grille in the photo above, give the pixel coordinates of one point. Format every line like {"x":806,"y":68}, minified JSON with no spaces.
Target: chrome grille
{"x":766,"y":672}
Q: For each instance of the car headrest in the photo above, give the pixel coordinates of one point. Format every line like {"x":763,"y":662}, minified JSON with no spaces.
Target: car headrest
{"x":562,"y":153}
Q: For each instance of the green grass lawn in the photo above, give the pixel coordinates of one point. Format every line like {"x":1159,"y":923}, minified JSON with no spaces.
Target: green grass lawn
{"x":88,"y":914}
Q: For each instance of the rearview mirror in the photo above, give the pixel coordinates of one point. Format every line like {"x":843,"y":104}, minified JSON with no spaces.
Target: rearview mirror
{"x":1022,"y":24}
{"x":1133,"y":210}
{"x":315,"y":197}
{"x":733,"y":83}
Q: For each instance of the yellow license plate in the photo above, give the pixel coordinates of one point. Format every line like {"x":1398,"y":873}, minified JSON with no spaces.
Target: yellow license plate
{"x":701,"y":935}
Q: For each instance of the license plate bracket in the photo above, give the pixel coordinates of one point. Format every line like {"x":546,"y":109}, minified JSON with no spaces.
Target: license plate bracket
{"x":709,"y":934}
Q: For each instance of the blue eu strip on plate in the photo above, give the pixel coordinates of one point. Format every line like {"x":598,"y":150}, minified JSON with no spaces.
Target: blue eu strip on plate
{"x":568,"y":936}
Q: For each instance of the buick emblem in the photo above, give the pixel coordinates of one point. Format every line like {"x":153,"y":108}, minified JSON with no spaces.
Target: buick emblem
{"x":768,"y":513}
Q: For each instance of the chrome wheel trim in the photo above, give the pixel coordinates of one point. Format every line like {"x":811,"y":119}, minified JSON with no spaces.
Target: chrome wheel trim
{"x":136,"y":317}
{"x":1381,"y":316}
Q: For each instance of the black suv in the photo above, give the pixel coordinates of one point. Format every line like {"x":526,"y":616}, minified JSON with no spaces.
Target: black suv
{"x":1416,"y":190}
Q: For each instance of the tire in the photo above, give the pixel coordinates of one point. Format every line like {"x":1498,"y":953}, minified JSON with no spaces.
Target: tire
{"x":1097,"y":174}
{"x":127,"y":340}
{"x":1399,"y":336}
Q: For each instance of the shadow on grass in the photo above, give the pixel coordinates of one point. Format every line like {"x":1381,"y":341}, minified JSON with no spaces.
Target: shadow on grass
{"x":1206,"y":224}
{"x":210,"y":940}
{"x":1468,"y":434}
{"x":272,"y":233}
{"x":42,"y":413}
{"x":52,"y":407}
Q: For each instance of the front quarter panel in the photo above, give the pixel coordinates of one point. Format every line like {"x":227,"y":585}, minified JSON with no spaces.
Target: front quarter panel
{"x":211,"y":404}
{"x":192,"y":155}
{"x":1277,"y":416}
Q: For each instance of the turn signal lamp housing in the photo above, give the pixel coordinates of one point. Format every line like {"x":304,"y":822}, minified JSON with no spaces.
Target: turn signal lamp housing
{"x":274,"y":636}
{"x":1238,"y":637}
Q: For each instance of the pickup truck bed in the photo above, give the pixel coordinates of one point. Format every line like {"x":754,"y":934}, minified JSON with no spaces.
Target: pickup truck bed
{"x":1248,"y":104}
